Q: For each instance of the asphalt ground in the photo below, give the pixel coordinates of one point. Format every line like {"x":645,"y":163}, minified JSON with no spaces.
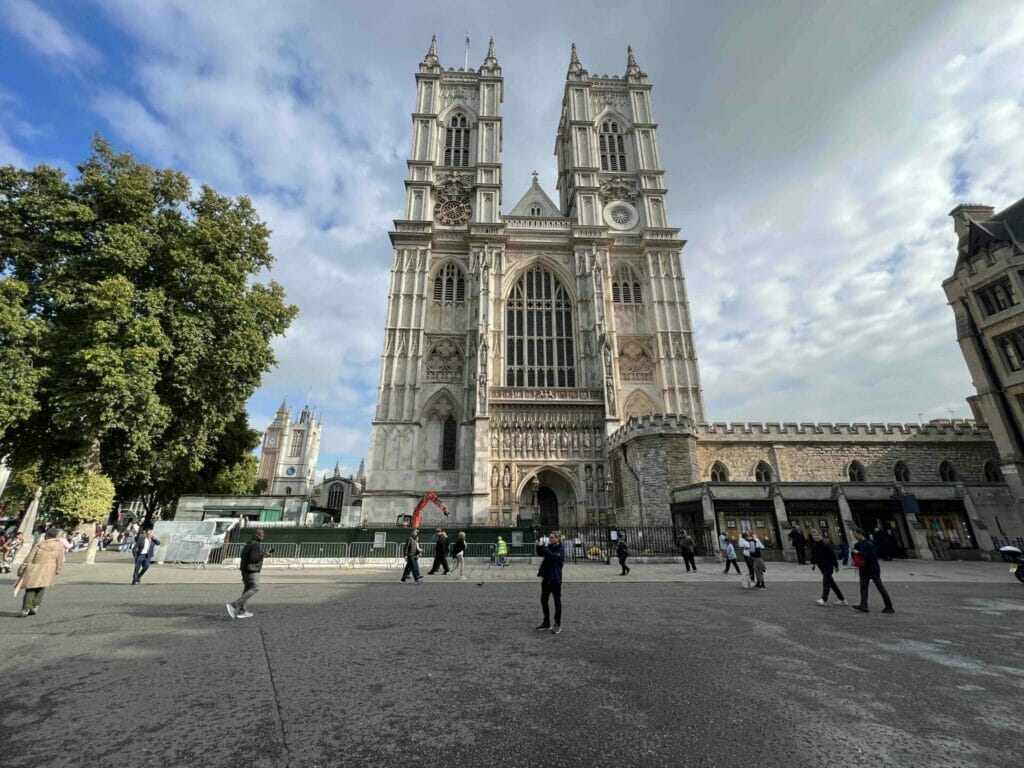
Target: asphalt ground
{"x":340,"y":670}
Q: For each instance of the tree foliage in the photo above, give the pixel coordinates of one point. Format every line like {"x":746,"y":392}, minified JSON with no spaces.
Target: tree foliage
{"x":76,"y":496}
{"x":19,"y":338}
{"x":146,"y":331}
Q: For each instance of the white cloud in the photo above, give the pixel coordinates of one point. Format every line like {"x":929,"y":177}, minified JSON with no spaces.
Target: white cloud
{"x":46,"y":34}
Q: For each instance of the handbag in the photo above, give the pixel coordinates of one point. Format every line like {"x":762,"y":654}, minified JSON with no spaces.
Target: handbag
{"x":858,"y":560}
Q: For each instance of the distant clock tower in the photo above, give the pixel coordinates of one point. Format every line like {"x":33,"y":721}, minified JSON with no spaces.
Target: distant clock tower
{"x":290,"y":451}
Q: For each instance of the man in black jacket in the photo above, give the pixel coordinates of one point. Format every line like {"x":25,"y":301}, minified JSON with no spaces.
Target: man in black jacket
{"x":823,"y":557}
{"x":143,"y":551}
{"x":440,"y":553}
{"x":250,"y":563}
{"x":800,"y":545}
{"x":866,"y":560}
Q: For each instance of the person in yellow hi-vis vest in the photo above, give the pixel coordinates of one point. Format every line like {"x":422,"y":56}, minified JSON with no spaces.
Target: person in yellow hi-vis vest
{"x":502,"y":551}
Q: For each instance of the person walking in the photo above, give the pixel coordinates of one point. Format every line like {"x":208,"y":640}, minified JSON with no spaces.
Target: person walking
{"x":39,"y":571}
{"x":796,"y":536}
{"x":686,"y":545}
{"x":144,"y":550}
{"x":412,"y":553}
{"x":459,"y":555}
{"x":730,"y":557}
{"x":440,"y":553}
{"x":250,"y":564}
{"x":723,"y":541}
{"x":622,"y":552}
{"x":865,"y":560}
{"x":746,"y":542}
{"x":756,"y":554}
{"x":844,"y":554}
{"x":823,"y":557}
{"x":128,"y":540}
{"x":501,"y":550}
{"x":10,"y":549}
{"x":550,"y":573}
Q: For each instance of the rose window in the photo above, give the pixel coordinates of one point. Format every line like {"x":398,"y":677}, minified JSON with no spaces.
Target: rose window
{"x":453,"y":213}
{"x":621,"y":215}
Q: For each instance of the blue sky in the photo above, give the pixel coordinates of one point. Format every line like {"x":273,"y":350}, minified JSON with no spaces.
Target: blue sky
{"x":812,"y":152}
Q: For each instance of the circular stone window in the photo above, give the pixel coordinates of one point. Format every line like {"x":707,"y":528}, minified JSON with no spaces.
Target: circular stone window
{"x":621,"y":215}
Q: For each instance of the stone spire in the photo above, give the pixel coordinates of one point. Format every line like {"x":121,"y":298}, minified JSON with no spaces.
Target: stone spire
{"x":282,"y":411}
{"x":632,"y":68}
{"x":431,"y":59}
{"x":575,"y":68}
{"x":491,"y":62}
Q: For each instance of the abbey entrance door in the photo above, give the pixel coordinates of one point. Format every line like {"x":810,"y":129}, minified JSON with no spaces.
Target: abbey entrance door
{"x":547,"y":508}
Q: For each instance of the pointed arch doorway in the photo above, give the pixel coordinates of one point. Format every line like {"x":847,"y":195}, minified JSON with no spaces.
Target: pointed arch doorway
{"x":548,"y":497}
{"x":547,"y":508}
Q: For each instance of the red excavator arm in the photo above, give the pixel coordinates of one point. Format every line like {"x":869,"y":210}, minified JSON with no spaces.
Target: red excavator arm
{"x":428,"y":498}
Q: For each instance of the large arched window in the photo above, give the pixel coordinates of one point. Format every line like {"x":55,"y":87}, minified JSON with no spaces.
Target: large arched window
{"x":539,"y":333}
{"x":449,"y":444}
{"x":456,"y":142}
{"x":992,"y":472}
{"x":626,"y":286}
{"x":856,"y":472}
{"x":450,"y":285}
{"x":763,"y":472}
{"x":335,"y":495}
{"x":719,"y":473}
{"x":613,"y":147}
{"x":948,"y":473}
{"x":901,"y":472}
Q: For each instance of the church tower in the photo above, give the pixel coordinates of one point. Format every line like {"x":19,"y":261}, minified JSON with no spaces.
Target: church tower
{"x":515,"y":344}
{"x":290,"y":451}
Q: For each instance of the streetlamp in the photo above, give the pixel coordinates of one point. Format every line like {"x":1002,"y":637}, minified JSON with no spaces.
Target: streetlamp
{"x":535,"y":487}
{"x":608,"y":500}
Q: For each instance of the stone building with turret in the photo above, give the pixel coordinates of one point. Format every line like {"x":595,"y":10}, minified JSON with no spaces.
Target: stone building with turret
{"x":530,"y":357}
{"x":289,"y":452}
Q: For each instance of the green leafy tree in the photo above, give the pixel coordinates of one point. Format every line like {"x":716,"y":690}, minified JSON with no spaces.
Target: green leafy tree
{"x":19,"y":353}
{"x":21,"y":487}
{"x":154,"y":328}
{"x":76,"y":496}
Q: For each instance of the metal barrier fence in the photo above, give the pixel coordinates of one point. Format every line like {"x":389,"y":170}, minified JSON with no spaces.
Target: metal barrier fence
{"x":272,"y":550}
{"x":997,"y":543}
{"x":478,"y":549}
{"x":389,"y":554}
{"x":323,"y":553}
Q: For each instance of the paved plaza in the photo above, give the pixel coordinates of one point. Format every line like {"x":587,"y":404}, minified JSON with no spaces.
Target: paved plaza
{"x":349,"y":667}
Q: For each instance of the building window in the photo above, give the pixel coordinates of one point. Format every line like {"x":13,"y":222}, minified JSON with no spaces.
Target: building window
{"x":626,"y":286}
{"x":1012,"y":347}
{"x":719,"y":473}
{"x":901,"y":472}
{"x":763,"y":473}
{"x":539,"y":333}
{"x":992,"y":472}
{"x":535,"y":210}
{"x":288,"y":491}
{"x":335,"y":496}
{"x":996,"y":296}
{"x":297,"y":440}
{"x":456,"y":142}
{"x":856,"y":472}
{"x":948,"y":473}
{"x":449,"y":443}
{"x":450,"y":285}
{"x":613,"y":147}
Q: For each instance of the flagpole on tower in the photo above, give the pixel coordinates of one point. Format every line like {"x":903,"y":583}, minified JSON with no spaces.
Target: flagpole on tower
{"x":466,"y":66}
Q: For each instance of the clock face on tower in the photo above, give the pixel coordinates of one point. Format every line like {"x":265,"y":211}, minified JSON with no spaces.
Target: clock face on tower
{"x":290,"y":471}
{"x":272,"y":441}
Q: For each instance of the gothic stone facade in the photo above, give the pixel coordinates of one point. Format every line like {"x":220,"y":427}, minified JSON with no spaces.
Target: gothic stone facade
{"x":289,"y":452}
{"x":515,"y":344}
{"x":932,"y":484}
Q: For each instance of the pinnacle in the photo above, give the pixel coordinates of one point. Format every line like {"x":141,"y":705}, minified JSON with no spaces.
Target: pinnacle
{"x":433,"y":46}
{"x":575,"y":68}
{"x":491,"y":60}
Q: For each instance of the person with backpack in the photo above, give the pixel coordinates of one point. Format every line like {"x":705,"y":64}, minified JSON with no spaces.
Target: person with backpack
{"x":823,"y":557}
{"x":755,"y":559}
{"x":250,"y":564}
{"x":550,"y":573}
{"x":686,"y":545}
{"x":622,"y":552}
{"x":865,"y":560}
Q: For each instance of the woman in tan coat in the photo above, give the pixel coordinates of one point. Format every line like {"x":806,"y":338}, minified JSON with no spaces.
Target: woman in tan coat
{"x":39,"y":571}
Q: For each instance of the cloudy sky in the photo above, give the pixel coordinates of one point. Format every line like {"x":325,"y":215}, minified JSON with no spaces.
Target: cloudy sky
{"x":813,"y":150}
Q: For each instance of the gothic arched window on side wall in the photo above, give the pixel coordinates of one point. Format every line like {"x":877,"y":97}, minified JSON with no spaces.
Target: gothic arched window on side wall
{"x":456,"y":142}
{"x":539,"y":348}
{"x":719,"y":473}
{"x":613,"y":147}
{"x":992,"y":472}
{"x":626,"y":286}
{"x":335,"y":496}
{"x":450,"y":284}
{"x":762,"y":473}
{"x":901,"y":472}
{"x":449,"y":444}
{"x":856,"y":472}
{"x":948,"y":473}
